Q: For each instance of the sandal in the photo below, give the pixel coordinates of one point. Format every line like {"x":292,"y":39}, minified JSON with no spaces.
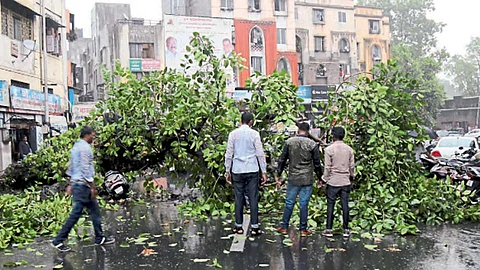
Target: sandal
{"x":256,"y":232}
{"x":238,"y":230}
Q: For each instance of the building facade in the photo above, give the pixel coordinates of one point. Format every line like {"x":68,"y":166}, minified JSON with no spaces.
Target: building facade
{"x":22,"y":102}
{"x":460,"y":112}
{"x":373,"y":37}
{"x":336,"y":39}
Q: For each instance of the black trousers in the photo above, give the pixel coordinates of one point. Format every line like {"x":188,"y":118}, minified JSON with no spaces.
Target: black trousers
{"x":246,"y":183}
{"x":332,"y":194}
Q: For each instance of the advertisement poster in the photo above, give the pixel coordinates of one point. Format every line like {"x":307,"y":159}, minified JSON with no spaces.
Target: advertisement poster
{"x":80,"y":111}
{"x":4,"y":100}
{"x":305,"y":92}
{"x":179,"y":31}
{"x":28,"y":99}
{"x":59,"y":123}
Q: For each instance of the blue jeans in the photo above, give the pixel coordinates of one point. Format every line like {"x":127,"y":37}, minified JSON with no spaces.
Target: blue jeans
{"x":304,"y":193}
{"x":82,"y":197}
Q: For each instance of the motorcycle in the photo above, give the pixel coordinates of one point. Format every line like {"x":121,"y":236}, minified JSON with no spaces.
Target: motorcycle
{"x":116,"y":185}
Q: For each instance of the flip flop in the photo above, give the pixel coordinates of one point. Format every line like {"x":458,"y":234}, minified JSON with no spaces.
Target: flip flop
{"x":256,"y":232}
{"x":238,"y":230}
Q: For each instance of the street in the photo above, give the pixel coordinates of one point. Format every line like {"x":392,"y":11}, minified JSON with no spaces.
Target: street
{"x":175,"y":243}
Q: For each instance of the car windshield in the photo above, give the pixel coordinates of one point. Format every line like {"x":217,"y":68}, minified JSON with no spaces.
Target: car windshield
{"x":457,"y":142}
{"x":442,"y":133}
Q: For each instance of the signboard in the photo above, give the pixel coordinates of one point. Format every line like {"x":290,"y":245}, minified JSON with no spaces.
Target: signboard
{"x":80,"y":111}
{"x":305,"y":92}
{"x":28,"y":99}
{"x":58,"y":123}
{"x":320,"y":93}
{"x":4,"y":99}
{"x":136,"y":65}
{"x":149,"y":65}
{"x":179,"y":31}
{"x":241,"y":95}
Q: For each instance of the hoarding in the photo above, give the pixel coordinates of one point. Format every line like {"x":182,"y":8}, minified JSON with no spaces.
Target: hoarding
{"x":28,"y":99}
{"x":179,"y":31}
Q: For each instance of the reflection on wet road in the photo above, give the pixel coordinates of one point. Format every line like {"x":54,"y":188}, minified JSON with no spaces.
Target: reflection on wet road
{"x":178,"y":242}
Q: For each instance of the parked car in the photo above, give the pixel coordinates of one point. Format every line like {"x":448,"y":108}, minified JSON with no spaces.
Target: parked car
{"x":448,"y":146}
{"x":442,"y":133}
{"x":474,"y":133}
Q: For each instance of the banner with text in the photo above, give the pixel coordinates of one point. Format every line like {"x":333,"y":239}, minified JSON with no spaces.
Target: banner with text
{"x":28,"y":99}
{"x":80,"y":111}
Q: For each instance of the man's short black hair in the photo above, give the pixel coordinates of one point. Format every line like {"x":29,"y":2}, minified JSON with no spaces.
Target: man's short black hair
{"x":338,"y":133}
{"x":86,"y":130}
{"x":247,"y":117}
{"x":304,"y":127}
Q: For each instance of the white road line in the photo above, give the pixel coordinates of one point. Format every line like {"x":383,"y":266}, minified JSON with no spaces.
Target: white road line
{"x":238,"y":243}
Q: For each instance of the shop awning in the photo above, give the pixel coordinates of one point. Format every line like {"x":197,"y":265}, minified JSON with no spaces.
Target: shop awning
{"x":52,"y":23}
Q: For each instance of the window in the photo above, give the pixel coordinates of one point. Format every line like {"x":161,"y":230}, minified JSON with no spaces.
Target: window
{"x":282,"y":36}
{"x":139,"y":50}
{"x":20,"y":84}
{"x":321,"y":70}
{"x":254,"y":5}
{"x":344,"y":70}
{"x":374,"y":26}
{"x":227,"y":4}
{"x":376,"y":53}
{"x":256,"y":37}
{"x":17,"y":28}
{"x":342,"y":17}
{"x":344,"y":46}
{"x":257,"y":63}
{"x":281,"y":5}
{"x":296,"y":14}
{"x":283,"y":64}
{"x":319,"y":44}
{"x":318,"y":16}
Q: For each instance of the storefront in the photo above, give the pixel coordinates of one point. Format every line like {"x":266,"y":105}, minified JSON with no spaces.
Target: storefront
{"x":25,"y":118}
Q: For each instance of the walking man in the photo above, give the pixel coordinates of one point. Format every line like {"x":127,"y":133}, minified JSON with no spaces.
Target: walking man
{"x":82,"y":187}
{"x":304,"y":157}
{"x":243,"y":161}
{"x":339,"y":174}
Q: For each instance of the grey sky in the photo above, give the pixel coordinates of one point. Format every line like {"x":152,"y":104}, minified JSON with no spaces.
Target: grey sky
{"x":461,"y":16}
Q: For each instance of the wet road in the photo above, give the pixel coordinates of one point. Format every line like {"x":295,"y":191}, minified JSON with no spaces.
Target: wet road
{"x":178,"y":243}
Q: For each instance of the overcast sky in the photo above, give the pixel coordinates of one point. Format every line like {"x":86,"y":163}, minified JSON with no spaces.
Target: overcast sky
{"x":461,"y":16}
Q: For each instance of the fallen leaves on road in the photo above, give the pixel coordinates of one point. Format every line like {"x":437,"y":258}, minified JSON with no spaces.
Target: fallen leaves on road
{"x":147,"y":252}
{"x":173,"y":245}
{"x":264,"y":265}
{"x":287,"y":242}
{"x":371,"y":247}
{"x":200,"y":260}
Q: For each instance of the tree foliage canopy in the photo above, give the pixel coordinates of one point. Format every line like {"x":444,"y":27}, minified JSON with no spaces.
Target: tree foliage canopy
{"x":171,"y":121}
{"x":465,"y":69}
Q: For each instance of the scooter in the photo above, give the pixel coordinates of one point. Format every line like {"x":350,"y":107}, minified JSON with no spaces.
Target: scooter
{"x":116,"y":185}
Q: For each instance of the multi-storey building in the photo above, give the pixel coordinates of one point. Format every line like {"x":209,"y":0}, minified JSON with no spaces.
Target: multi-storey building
{"x":22,"y":102}
{"x":373,"y":37}
{"x":336,"y":39}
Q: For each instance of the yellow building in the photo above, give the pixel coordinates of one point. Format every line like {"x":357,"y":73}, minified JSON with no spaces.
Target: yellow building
{"x":373,"y":37}
{"x":22,"y":105}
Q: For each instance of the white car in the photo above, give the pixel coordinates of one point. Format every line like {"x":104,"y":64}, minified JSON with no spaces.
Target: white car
{"x":448,"y":146}
{"x":474,"y":133}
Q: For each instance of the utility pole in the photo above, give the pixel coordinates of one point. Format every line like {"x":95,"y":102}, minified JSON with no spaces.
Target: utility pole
{"x":45,"y":80}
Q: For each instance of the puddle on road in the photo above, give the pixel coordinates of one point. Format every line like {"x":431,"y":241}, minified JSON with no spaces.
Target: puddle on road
{"x":177,"y":243}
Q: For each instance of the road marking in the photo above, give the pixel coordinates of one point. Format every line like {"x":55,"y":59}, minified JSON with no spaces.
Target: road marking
{"x":238,"y":243}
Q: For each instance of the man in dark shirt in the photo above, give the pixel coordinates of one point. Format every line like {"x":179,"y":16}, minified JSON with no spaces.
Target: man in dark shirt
{"x":25,"y":149}
{"x":304,"y":157}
